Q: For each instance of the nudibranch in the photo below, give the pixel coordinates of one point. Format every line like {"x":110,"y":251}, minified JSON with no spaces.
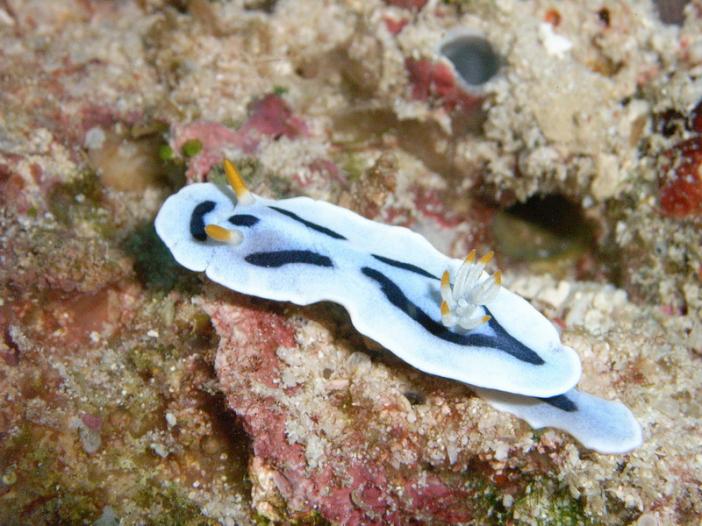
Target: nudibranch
{"x":444,"y":316}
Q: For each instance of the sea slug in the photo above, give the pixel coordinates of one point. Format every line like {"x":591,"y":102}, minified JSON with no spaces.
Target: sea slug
{"x":441,"y":315}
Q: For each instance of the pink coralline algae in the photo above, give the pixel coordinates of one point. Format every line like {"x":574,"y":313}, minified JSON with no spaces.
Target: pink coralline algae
{"x":12,"y":189}
{"x":395,"y":25}
{"x":429,"y":202}
{"x":354,"y":481}
{"x":269,"y":117}
{"x":437,"y":80}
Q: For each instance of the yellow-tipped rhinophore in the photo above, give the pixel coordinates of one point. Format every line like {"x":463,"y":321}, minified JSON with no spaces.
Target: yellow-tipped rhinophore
{"x":243,"y":196}
{"x":486,"y":318}
{"x":223,"y":235}
{"x":487,"y":258}
{"x":471,"y":256}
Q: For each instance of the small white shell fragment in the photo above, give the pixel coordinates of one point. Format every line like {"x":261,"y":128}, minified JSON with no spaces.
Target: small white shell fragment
{"x":94,"y":138}
{"x":555,"y":44}
{"x":159,"y":449}
{"x":171,"y":419}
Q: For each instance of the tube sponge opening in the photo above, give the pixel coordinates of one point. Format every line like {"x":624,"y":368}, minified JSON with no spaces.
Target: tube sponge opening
{"x":473,"y":58}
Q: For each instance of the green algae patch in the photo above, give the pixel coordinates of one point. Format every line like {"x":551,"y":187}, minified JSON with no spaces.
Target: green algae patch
{"x":153,"y":263}
{"x":549,"y":503}
{"x":166,"y":153}
{"x":81,"y":200}
{"x":313,"y":518}
{"x":170,"y":506}
{"x":191,"y":147}
{"x":145,"y":361}
{"x":68,"y":508}
{"x":173,"y":167}
{"x":543,"y":501}
{"x":39,"y":493}
{"x":487,"y":497}
{"x":353,"y":166}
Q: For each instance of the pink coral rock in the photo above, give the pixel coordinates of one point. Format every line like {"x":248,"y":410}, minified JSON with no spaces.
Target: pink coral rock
{"x":270,"y":117}
{"x":335,"y":445}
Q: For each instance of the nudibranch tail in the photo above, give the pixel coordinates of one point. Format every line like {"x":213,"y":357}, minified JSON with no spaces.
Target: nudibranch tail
{"x":223,"y":235}
{"x":243,"y":196}
{"x":602,"y":425}
{"x":461,"y":305}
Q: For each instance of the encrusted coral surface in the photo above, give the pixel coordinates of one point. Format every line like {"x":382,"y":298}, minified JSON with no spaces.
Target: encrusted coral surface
{"x":133,"y":391}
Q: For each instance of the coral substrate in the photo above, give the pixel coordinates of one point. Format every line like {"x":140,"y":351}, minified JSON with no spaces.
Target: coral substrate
{"x":567,"y":135}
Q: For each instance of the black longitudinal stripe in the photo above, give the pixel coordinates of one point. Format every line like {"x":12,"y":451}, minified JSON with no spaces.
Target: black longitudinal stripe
{"x":197,"y":220}
{"x":314,"y":226}
{"x":561,"y":402}
{"x":404,"y":266}
{"x":286,"y":257}
{"x":502,"y":340}
{"x":243,"y":220}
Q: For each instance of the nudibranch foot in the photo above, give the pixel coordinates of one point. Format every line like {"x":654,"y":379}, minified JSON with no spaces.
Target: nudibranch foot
{"x":473,"y":288}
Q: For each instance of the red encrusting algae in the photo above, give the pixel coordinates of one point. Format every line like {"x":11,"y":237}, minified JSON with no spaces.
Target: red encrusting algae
{"x":681,"y":180}
{"x":349,"y":479}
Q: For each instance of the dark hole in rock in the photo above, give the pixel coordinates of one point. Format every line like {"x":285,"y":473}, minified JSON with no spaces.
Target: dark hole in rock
{"x":415,"y":398}
{"x":473,"y":58}
{"x":267,"y":6}
{"x":669,"y":122}
{"x":671,"y":11}
{"x":604,"y":16}
{"x":228,"y":440}
{"x":542,"y":227}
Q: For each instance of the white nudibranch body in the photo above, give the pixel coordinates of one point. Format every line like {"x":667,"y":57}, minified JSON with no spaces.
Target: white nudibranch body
{"x":397,"y":289}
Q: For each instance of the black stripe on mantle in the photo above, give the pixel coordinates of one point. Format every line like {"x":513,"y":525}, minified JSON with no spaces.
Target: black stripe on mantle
{"x":501,"y":341}
{"x":309,"y":224}
{"x":287,"y":257}
{"x":404,"y":266}
{"x":197,"y":219}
